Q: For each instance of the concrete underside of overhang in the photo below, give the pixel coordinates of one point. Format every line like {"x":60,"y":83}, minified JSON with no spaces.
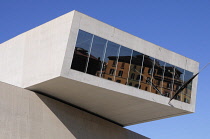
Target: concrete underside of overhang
{"x":115,"y":106}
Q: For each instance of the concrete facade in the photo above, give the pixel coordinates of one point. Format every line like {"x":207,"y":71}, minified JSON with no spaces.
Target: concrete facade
{"x":40,"y":60}
{"x":27,"y":115}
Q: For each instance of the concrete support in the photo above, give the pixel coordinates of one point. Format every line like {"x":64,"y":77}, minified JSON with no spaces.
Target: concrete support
{"x":28,"y":115}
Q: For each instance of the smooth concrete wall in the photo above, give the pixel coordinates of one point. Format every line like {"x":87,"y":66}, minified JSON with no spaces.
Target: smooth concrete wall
{"x":27,"y":115}
{"x":36,"y":55}
{"x":45,"y":49}
{"x":11,"y":60}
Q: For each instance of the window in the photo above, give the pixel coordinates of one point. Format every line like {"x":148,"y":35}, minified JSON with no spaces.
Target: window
{"x":111,"y":72}
{"x":138,"y":77}
{"x":120,"y":73}
{"x":148,"y":80}
{"x":132,"y":76}
{"x":136,"y":85}
{"x":100,"y":57}
{"x":118,"y":81}
{"x":96,"y":56}
{"x":142,"y":78}
{"x":110,"y":55}
{"x":114,"y":63}
{"x":81,"y":51}
{"x":122,"y":65}
{"x":109,"y":78}
{"x":143,"y":70}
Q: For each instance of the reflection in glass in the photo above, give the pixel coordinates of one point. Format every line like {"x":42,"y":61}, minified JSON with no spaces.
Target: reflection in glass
{"x":103,"y":58}
{"x":96,"y":56}
{"x":178,"y":81}
{"x":110,"y":61}
{"x":168,"y":80}
{"x":158,"y":75}
{"x":147,"y":73}
{"x":188,"y":89}
{"x":135,"y":69}
{"x":123,"y":65}
{"x":81,"y":52}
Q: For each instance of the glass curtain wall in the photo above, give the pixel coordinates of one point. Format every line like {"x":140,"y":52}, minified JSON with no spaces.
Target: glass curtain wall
{"x":158,"y":76}
{"x":110,"y":61}
{"x":82,"y":51}
{"x":100,"y":57}
{"x":135,"y":69}
{"x":123,"y":65}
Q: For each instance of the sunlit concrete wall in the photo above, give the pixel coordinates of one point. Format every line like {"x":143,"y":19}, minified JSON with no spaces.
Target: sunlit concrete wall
{"x":27,"y":115}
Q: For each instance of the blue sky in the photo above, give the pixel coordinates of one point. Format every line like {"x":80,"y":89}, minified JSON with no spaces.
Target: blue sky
{"x":182,"y":26}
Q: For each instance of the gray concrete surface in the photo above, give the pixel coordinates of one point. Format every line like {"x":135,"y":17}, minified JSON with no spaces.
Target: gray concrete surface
{"x":39,"y":57}
{"x":27,"y":115}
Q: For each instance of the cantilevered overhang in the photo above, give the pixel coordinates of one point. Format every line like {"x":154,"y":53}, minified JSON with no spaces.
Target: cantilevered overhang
{"x":122,"y":104}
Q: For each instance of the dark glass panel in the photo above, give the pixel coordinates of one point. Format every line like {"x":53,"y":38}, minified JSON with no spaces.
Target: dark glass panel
{"x":187,"y":91}
{"x":123,"y":64}
{"x":178,"y":81}
{"x":157,"y":80}
{"x":147,"y":72}
{"x":135,"y":68}
{"x":96,"y":56}
{"x":168,"y":80}
{"x":110,"y":61}
{"x":81,"y":51}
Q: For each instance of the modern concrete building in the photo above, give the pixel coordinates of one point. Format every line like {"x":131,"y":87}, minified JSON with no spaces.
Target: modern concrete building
{"x":77,"y":77}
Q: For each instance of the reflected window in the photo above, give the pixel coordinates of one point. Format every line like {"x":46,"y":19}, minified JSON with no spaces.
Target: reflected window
{"x":136,"y":85}
{"x":100,"y":57}
{"x":81,"y":51}
{"x":138,"y":77}
{"x":168,"y":78}
{"x":123,"y":64}
{"x":148,"y":66}
{"x":110,"y":59}
{"x":118,"y":81}
{"x":148,"y":80}
{"x":136,"y":67}
{"x":111,"y":72}
{"x":96,"y":56}
{"x":158,"y":75}
{"x":120,"y":73}
{"x":188,"y":89}
{"x":132,"y":76}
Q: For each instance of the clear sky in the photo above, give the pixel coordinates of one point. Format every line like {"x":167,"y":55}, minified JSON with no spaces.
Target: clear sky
{"x":182,"y":26}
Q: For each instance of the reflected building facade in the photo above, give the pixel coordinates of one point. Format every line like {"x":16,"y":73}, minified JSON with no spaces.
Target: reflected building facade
{"x":105,"y":59}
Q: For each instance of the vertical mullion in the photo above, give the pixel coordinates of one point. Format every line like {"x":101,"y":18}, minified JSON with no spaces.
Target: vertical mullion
{"x":89,"y":54}
{"x":117,"y":62}
{"x":141,"y":71}
{"x":172,"y":83}
{"x":152,"y":75}
{"x":129,"y":66}
{"x":163,"y":78}
{"x":102,"y":64}
{"x":182,"y":96}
